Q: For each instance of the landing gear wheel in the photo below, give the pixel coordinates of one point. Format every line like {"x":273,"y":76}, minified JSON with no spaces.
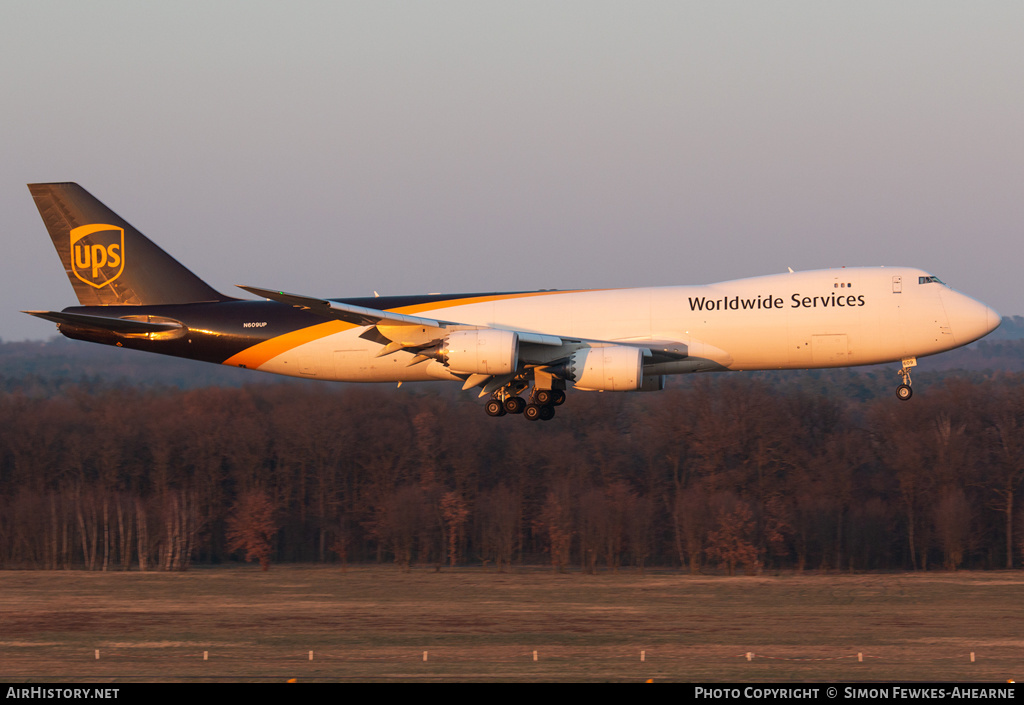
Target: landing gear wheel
{"x":543,"y":396}
{"x":532,"y":412}
{"x":547,"y":413}
{"x":904,"y":392}
{"x":515,"y":405}
{"x":558,"y":397}
{"x":495,"y":408}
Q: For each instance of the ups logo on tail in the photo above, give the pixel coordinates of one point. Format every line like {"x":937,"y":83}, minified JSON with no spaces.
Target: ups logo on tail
{"x":97,"y":253}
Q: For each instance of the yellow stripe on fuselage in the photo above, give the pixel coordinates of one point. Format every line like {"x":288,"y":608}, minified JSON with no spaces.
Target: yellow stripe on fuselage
{"x":258,"y":354}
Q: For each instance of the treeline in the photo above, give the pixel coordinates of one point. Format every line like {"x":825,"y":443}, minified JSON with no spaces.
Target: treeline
{"x":56,"y":366}
{"x":721,"y":472}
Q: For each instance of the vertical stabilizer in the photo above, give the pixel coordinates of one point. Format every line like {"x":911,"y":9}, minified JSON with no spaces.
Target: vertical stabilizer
{"x":107,"y":260}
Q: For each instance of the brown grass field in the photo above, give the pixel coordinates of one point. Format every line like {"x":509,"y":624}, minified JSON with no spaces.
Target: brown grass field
{"x":374,"y":623}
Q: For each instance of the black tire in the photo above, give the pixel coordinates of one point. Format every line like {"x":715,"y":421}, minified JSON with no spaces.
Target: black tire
{"x":547,"y":413}
{"x":515,"y":405}
{"x":904,"y":392}
{"x":532,"y":412}
{"x":495,"y":408}
{"x":559,"y":397}
{"x":543,"y":396}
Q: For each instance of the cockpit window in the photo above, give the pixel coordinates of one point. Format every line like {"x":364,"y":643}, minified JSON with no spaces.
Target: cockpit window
{"x":929,"y":280}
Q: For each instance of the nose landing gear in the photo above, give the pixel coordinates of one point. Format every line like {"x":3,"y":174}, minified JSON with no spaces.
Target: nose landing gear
{"x":904,"y":392}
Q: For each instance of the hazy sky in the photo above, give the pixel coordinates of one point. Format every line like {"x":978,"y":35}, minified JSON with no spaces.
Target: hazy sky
{"x":337,"y":148}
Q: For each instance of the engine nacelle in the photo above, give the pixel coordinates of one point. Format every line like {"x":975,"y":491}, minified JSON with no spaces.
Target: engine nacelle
{"x":482,"y":352}
{"x":616,"y":368}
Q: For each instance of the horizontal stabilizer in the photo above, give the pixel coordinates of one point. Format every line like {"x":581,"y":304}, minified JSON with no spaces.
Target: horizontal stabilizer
{"x":122,"y":326}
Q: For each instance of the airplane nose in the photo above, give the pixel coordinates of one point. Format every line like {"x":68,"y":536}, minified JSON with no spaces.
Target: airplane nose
{"x":993,"y":319}
{"x":969,"y":319}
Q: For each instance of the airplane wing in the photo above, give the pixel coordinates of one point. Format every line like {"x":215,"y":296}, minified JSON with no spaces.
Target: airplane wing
{"x":359,"y":315}
{"x":656,"y":351}
{"x":363,"y":316}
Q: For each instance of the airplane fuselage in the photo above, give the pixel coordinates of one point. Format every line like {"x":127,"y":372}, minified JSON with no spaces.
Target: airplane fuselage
{"x":826,"y":318}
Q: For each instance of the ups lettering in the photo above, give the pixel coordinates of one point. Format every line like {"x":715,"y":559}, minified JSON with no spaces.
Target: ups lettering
{"x":97,"y":256}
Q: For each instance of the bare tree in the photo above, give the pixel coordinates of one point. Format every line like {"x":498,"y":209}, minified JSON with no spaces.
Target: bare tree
{"x":730,"y":542}
{"x":640,"y":530}
{"x":691,"y":523}
{"x":952,"y":517}
{"x":499,"y":513}
{"x":454,"y":513}
{"x":251,"y":527}
{"x":592,"y":527}
{"x":399,"y":521}
{"x":1007,"y":471}
{"x":555,"y":521}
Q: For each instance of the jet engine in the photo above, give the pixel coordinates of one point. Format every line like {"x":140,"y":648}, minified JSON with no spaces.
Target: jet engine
{"x":487,"y":352}
{"x":616,"y":368}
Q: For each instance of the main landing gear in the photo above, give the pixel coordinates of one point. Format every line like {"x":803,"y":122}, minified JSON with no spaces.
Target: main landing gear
{"x":904,"y":392}
{"x":540,"y":406}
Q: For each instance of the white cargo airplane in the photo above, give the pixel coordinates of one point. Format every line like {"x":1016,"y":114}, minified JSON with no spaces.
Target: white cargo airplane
{"x":133,"y":294}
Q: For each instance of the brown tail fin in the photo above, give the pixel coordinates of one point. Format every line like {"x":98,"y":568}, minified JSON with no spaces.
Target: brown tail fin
{"x":107,"y":260}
